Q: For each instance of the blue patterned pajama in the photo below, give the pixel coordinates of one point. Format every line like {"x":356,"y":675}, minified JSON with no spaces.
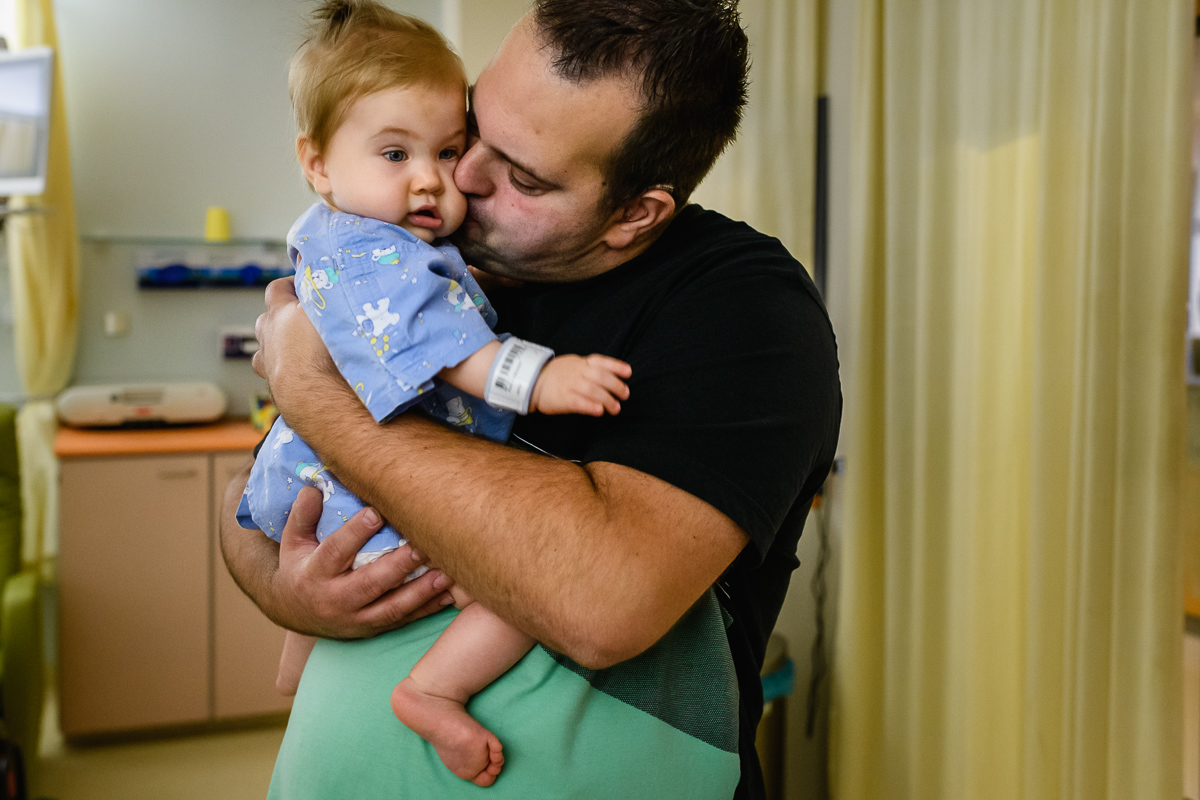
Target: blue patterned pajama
{"x":393,"y":311}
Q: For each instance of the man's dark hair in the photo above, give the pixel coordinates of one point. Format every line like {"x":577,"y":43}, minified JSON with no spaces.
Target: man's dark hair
{"x":692,"y":58}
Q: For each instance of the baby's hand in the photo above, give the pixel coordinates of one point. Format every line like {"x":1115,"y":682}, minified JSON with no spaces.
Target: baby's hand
{"x":581,"y":385}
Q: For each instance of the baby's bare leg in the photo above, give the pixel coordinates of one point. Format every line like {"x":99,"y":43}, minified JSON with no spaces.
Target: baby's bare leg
{"x":296,"y":647}
{"x":476,"y":649}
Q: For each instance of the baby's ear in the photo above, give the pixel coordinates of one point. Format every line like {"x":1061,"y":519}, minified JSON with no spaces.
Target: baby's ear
{"x":312,"y":164}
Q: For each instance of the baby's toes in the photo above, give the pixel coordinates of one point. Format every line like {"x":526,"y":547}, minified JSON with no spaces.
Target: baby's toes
{"x":495,"y":763}
{"x":495,"y":756}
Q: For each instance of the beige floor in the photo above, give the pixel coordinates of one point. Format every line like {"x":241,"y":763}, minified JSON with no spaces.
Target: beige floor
{"x":233,"y":765}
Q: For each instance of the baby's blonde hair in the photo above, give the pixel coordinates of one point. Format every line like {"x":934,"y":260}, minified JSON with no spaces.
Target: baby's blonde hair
{"x":358,"y":47}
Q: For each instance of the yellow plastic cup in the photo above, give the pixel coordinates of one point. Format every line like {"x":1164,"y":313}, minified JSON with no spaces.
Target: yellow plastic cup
{"x":216,"y":224}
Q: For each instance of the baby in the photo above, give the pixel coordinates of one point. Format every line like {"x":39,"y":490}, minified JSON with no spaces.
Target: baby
{"x":380,"y":100}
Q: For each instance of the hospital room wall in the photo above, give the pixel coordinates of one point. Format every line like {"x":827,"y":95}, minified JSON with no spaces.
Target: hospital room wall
{"x":174,"y":107}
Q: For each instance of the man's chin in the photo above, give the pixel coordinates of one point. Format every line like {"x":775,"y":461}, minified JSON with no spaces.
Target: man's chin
{"x":476,"y":253}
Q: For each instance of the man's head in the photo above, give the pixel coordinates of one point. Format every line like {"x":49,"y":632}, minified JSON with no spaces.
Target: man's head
{"x":380,"y":100}
{"x":596,"y":120}
{"x":689,"y":61}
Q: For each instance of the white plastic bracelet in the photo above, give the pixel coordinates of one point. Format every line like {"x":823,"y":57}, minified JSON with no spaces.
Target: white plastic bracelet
{"x":514,"y":371}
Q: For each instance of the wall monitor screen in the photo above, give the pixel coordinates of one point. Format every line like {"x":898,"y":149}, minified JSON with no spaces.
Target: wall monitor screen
{"x":24,"y":120}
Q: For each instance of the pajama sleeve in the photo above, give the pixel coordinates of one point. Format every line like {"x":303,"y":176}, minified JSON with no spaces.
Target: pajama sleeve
{"x":392,"y":310}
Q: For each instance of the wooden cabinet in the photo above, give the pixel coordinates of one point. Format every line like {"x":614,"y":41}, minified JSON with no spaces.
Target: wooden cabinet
{"x":246,"y":645}
{"x":153,"y":631}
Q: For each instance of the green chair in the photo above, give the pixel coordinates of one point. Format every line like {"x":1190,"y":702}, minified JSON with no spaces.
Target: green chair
{"x":21,"y":655}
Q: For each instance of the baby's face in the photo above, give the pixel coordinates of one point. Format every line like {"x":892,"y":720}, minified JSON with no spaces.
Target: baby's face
{"x":393,"y":159}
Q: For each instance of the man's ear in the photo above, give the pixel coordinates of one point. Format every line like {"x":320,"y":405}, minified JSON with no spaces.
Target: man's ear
{"x":636,"y":219}
{"x":312,"y":163}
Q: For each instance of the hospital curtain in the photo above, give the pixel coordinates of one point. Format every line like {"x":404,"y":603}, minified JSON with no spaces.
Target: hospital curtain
{"x":43,"y":254}
{"x":1010,"y":601}
{"x":766,"y":176}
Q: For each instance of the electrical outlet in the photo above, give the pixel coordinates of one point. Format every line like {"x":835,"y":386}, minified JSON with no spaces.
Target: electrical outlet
{"x":117,"y":324}
{"x":238,"y":342}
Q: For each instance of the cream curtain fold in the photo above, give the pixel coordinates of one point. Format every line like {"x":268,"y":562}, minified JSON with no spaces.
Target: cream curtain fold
{"x":766,"y":177}
{"x":43,"y":254}
{"x":1010,"y":598}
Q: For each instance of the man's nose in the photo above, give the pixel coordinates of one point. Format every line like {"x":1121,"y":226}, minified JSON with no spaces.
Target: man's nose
{"x":470,"y":176}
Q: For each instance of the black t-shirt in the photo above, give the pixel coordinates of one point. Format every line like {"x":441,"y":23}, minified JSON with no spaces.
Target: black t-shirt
{"x":734,"y":398}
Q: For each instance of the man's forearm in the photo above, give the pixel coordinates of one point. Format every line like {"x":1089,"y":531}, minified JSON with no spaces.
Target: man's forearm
{"x":252,"y":558}
{"x":596,"y":561}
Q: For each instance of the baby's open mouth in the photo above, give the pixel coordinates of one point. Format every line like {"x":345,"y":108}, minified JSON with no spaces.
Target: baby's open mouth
{"x":425,"y":217}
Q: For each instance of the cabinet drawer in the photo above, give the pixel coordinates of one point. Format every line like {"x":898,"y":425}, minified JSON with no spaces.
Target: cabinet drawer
{"x":134,"y":580}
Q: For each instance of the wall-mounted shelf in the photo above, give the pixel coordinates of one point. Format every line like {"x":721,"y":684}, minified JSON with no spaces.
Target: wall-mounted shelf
{"x":180,"y":241}
{"x":194,"y":263}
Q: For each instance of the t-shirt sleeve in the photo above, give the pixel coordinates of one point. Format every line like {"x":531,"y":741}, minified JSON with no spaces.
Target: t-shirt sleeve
{"x":392,"y":312}
{"x":734,"y":398}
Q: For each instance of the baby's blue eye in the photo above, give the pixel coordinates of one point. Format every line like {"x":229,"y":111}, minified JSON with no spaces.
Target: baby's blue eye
{"x":395,"y":155}
{"x":449,"y":154}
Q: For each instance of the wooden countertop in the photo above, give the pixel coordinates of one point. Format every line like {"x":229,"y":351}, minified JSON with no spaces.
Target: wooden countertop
{"x":228,"y":435}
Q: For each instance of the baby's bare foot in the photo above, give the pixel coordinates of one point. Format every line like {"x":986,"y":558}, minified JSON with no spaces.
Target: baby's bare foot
{"x":468,"y":749}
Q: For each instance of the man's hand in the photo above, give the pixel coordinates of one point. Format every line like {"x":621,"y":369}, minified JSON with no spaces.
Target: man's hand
{"x":309,"y":587}
{"x":333,"y":601}
{"x":291,"y":355}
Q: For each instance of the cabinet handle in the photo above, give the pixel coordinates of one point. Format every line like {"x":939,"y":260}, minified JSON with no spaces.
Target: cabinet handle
{"x":177,"y":474}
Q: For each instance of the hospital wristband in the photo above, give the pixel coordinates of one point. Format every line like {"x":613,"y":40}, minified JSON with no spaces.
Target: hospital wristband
{"x":514,"y":371}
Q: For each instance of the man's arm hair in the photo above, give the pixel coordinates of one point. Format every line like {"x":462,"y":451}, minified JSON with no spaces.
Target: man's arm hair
{"x":310,"y":588}
{"x":252,"y":558}
{"x":596,"y":561}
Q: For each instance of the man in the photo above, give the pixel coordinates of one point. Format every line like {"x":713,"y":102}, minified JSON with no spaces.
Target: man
{"x":596,"y":120}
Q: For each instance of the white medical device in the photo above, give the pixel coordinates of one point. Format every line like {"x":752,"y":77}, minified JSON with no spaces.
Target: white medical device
{"x":141,"y":404}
